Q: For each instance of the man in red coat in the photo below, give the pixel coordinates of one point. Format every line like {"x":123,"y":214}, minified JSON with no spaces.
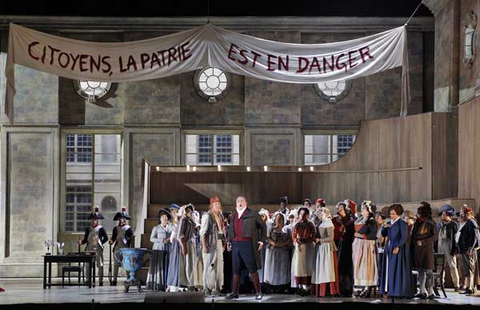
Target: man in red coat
{"x":246,"y":236}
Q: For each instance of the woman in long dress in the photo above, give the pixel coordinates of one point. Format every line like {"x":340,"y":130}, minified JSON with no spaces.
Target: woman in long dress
{"x":303,"y":238}
{"x":160,"y":237}
{"x":396,"y":277}
{"x":265,"y":216}
{"x":292,"y":221}
{"x":364,"y":250}
{"x":175,"y":255}
{"x":277,"y":258}
{"x":325,"y":275}
{"x":344,"y":231}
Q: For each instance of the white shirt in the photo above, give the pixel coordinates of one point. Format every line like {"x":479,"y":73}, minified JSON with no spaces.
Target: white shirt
{"x":240,"y":212}
{"x":393,"y":222}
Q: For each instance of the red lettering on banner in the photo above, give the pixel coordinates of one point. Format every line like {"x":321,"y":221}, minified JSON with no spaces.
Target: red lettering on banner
{"x":270,"y":62}
{"x":155,"y":60}
{"x":300,"y":68}
{"x":94,"y":64}
{"x":63,"y":65}
{"x":74,"y":60}
{"x":162,"y":53}
{"x":131,"y":63}
{"x":365,"y":51}
{"x":83,"y":63}
{"x":30,"y":49}
{"x":245,"y":59}
{"x":185,"y":51}
{"x":315,"y":63}
{"x":144,"y":58}
{"x":255,"y":56}
{"x":281,"y":63}
{"x":327,"y":64}
{"x":351,"y":59}
{"x":120,"y":61}
{"x":171,"y":55}
{"x":339,"y":65}
{"x":106,"y":64}
{"x":231,"y":51}
{"x":52,"y":53}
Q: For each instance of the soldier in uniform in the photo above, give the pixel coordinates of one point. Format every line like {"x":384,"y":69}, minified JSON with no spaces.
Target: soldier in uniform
{"x":122,"y":237}
{"x":95,"y":237}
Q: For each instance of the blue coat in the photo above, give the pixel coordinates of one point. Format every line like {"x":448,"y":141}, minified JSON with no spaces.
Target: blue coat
{"x":400,"y":280}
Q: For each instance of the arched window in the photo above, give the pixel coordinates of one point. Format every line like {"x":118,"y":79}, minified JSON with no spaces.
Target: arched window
{"x":212,"y":83}
{"x":91,"y":90}
{"x":333,"y":91}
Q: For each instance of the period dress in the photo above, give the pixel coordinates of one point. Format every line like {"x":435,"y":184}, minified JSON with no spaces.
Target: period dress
{"x":278,"y":258}
{"x":158,"y":269}
{"x":325,"y":273}
{"x":364,"y":253}
{"x":174,"y":259}
{"x":396,"y":279}
{"x":304,"y":251}
{"x":344,"y":234}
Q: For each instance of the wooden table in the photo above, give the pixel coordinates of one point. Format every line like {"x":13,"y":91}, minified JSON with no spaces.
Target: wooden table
{"x":81,"y":258}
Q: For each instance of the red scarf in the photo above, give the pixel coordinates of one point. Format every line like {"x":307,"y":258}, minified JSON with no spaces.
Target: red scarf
{"x":422,"y":220}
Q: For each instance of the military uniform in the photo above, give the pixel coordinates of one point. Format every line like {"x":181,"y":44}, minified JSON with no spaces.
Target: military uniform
{"x":122,"y":237}
{"x":95,"y":237}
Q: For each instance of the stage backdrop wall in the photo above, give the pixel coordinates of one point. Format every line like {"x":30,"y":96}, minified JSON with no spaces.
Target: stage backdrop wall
{"x":392,"y":160}
{"x":469,"y":149}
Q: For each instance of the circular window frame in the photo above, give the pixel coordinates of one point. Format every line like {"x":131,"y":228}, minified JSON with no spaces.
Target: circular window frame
{"x":90,"y":98}
{"x":337,"y":98}
{"x":209,"y":98}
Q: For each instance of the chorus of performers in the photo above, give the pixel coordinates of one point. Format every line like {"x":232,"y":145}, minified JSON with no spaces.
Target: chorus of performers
{"x":349,"y":251}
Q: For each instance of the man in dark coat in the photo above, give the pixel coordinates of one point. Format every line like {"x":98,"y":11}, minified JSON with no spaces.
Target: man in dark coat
{"x":466,"y":243}
{"x":246,"y":236}
{"x":122,"y":237}
{"x":424,"y":235}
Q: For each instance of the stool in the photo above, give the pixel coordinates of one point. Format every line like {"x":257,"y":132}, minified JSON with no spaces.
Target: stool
{"x":78,"y":269}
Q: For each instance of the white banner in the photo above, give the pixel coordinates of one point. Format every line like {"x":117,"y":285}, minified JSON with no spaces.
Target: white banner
{"x":208,"y":45}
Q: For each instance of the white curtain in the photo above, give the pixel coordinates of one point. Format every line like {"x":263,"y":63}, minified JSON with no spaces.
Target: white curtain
{"x":141,"y":212}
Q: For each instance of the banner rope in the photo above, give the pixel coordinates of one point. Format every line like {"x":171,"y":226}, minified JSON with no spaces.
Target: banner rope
{"x":418,"y":6}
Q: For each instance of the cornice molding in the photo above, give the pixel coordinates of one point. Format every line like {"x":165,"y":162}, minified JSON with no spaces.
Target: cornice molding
{"x":247,"y":23}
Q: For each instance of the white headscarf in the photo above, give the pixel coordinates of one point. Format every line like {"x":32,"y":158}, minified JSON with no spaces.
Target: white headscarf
{"x":326,"y":218}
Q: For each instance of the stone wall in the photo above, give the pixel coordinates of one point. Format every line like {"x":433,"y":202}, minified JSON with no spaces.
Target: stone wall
{"x":29,"y":200}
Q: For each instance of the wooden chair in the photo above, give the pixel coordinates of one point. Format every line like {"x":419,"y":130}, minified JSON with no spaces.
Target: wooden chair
{"x":438,"y":274}
{"x":69,"y":269}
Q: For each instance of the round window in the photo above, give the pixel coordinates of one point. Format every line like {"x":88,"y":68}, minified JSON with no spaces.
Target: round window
{"x":333,"y":91}
{"x":91,"y":90}
{"x":212,"y":83}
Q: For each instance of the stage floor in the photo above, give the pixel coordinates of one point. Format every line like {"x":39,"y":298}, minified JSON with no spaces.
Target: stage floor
{"x":30,"y":291}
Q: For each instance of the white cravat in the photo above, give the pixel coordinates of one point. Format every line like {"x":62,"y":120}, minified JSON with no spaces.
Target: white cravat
{"x":240,"y":212}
